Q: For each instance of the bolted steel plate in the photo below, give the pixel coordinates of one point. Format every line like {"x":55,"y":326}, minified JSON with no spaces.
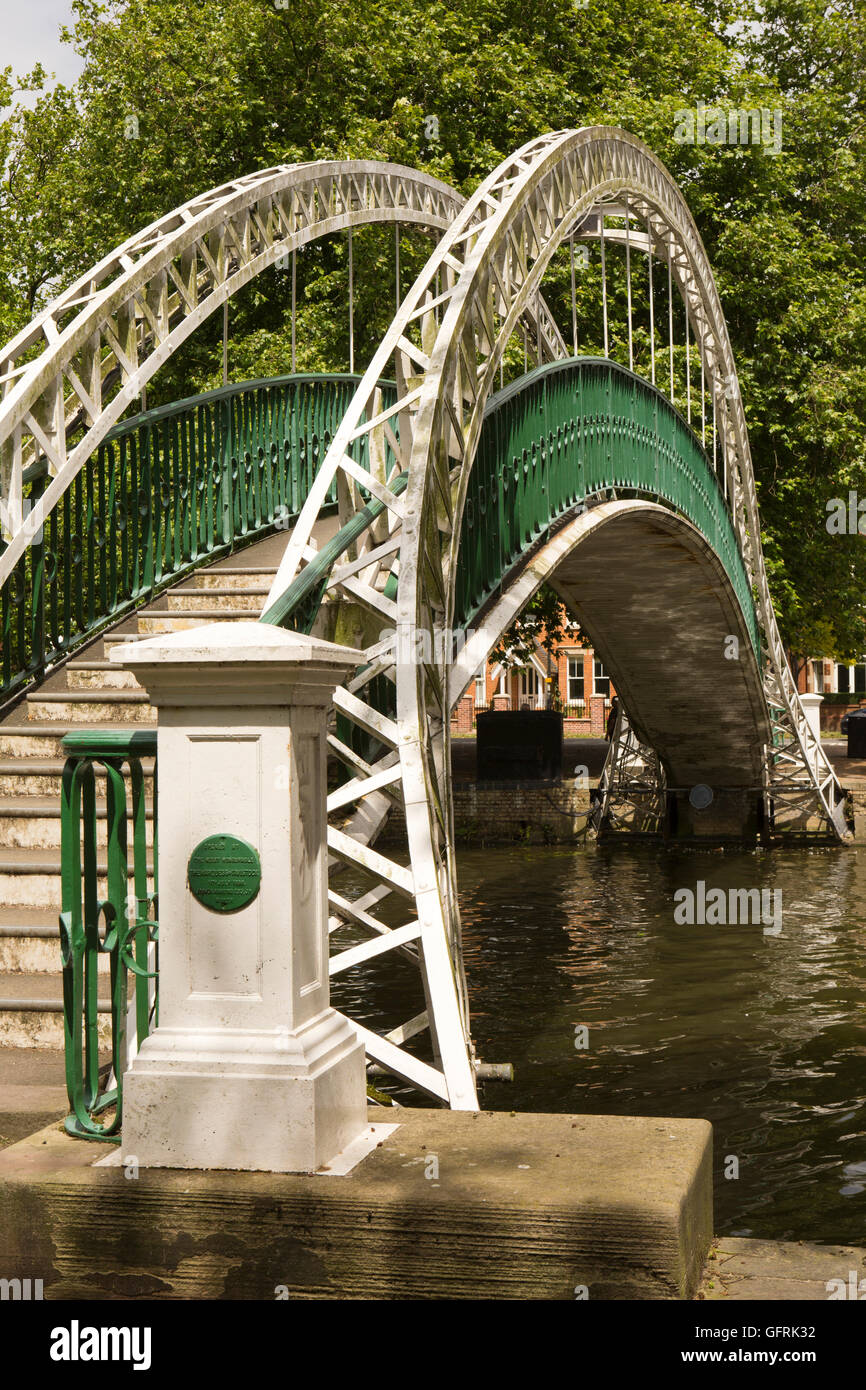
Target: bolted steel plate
{"x":224,"y":873}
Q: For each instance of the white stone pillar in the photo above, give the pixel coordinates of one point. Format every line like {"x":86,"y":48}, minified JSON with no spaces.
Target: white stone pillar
{"x":812,"y":706}
{"x":250,"y":1067}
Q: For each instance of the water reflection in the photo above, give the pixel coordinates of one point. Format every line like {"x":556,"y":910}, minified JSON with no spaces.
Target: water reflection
{"x":763,"y":1035}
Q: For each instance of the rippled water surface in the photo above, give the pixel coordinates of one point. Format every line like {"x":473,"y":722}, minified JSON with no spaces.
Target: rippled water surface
{"x":763,"y":1035}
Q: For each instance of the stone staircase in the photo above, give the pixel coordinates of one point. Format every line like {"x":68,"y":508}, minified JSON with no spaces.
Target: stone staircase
{"x":88,"y":689}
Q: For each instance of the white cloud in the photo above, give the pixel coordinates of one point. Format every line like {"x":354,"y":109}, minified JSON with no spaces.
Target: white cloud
{"x":29,"y":34}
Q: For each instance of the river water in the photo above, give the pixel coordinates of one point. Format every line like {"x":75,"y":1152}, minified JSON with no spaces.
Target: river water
{"x":763,"y":1034}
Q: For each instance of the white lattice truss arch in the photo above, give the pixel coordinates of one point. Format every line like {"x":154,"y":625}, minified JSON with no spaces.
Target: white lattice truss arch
{"x":85,"y":358}
{"x":488,"y":269}
{"x":83,"y":361}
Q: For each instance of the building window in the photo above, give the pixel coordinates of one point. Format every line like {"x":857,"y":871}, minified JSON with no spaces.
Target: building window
{"x":575,"y":680}
{"x":481,"y":689}
{"x":818,"y":677}
{"x":851,"y":680}
{"x":600,"y":679}
{"x":528,"y":687}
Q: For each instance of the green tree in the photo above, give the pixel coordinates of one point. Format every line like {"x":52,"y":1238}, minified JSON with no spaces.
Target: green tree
{"x":542,"y":624}
{"x":220,"y":89}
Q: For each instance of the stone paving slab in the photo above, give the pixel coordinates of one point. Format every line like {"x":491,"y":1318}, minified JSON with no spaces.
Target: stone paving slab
{"x":32,"y":1091}
{"x":740,"y":1269}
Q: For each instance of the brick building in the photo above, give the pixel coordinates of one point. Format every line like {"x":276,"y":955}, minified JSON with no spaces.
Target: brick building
{"x":842,"y":684}
{"x":574,"y":681}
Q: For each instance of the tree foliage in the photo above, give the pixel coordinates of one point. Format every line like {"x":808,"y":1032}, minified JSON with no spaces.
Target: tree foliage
{"x":542,"y":623}
{"x":224,"y":88}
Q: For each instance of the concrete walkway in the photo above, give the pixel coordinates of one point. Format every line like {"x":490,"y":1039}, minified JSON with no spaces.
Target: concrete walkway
{"x":32,"y":1091}
{"x":739,"y":1270}
{"x":495,"y":1205}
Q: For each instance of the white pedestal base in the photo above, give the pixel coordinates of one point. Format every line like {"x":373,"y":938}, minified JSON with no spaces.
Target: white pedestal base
{"x":277,"y":1101}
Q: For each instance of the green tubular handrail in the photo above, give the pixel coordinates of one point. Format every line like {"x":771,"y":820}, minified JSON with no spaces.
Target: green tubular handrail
{"x":300,"y":603}
{"x":128,"y":929}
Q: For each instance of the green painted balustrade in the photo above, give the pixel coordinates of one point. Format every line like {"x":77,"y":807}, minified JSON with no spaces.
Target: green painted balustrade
{"x":168,"y":491}
{"x":560,"y":437}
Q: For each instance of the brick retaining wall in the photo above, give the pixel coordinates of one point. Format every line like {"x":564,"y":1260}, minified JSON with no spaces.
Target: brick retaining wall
{"x":537,"y":813}
{"x":487,"y":813}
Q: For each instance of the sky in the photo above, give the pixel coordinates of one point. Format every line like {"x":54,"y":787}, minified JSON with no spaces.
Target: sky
{"x":29,"y":34}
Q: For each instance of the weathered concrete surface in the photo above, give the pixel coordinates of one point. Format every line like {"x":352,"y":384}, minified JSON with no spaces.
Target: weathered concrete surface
{"x":769,"y":1270}
{"x":515,"y":1207}
{"x":855,"y":788}
{"x":32,"y":1091}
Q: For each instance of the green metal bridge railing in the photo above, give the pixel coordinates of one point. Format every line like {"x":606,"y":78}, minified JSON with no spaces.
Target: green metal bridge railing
{"x":562,"y":435}
{"x":167,"y":491}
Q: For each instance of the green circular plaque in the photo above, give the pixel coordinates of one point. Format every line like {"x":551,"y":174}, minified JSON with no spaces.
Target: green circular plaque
{"x":224,"y":873}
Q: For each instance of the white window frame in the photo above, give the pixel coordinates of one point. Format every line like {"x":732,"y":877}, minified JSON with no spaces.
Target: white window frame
{"x":535,"y":697}
{"x":818,"y":675}
{"x":596,"y":660}
{"x":577,"y":661}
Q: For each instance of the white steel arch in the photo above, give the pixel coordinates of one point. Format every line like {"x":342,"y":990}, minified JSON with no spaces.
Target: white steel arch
{"x":444,"y":349}
{"x":82,"y":361}
{"x":126,"y":316}
{"x":86,"y":358}
{"x":69,"y":376}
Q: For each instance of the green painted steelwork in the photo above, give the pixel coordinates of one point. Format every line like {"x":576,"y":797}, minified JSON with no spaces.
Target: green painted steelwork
{"x":119,"y":926}
{"x":168,"y":491}
{"x":563,"y":436}
{"x":298,"y":606}
{"x":558,"y":438}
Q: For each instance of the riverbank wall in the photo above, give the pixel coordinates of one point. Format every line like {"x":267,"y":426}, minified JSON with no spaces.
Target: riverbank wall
{"x":549,"y":813}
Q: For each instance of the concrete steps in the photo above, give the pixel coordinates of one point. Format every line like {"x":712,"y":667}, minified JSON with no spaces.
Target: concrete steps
{"x":31,"y":877}
{"x":42,"y":776}
{"x":156,"y":622}
{"x":99,"y":675}
{"x":225,"y":578}
{"x":92,"y":707}
{"x":29,"y":938}
{"x":234,"y":600}
{"x":32,"y":1011}
{"x":90,"y":691}
{"x":32,"y":1091}
{"x":33,"y":822}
